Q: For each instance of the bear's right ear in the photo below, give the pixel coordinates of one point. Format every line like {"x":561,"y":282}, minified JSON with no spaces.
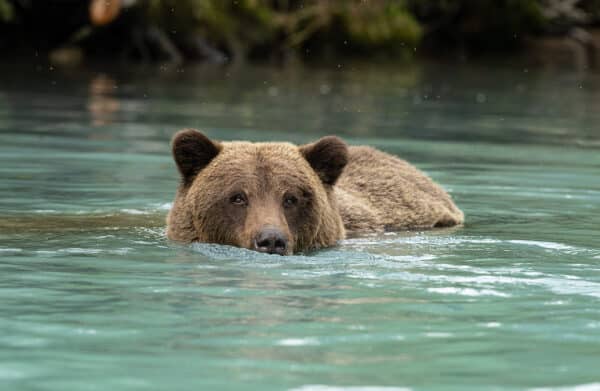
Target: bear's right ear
{"x":192,"y":151}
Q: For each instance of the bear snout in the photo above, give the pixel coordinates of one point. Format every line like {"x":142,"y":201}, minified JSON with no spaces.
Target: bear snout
{"x":271,"y":240}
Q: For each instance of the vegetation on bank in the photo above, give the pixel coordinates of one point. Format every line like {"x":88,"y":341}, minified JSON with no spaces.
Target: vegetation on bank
{"x":229,"y":30}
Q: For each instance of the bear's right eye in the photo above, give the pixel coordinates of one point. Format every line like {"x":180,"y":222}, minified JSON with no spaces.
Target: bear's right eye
{"x":238,"y":199}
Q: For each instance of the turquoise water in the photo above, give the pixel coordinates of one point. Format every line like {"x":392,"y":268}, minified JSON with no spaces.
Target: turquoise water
{"x":93,"y":297}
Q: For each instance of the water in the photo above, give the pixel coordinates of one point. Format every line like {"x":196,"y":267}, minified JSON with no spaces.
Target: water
{"x":92,"y":296}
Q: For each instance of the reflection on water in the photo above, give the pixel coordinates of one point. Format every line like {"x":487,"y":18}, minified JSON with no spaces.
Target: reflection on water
{"x":93,"y":296}
{"x":102,"y":104}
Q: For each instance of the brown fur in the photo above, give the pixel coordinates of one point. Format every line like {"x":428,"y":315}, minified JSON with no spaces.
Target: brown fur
{"x":379,"y":192}
{"x":313,"y":194}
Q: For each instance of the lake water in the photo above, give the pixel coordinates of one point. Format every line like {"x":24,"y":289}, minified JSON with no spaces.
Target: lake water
{"x":93,"y":297}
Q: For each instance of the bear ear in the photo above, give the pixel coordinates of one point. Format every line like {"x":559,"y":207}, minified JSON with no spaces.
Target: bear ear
{"x":192,"y":151}
{"x":327,"y":156}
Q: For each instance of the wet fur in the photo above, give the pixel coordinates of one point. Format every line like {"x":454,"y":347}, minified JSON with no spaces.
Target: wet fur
{"x":339,"y":190}
{"x":380,"y":192}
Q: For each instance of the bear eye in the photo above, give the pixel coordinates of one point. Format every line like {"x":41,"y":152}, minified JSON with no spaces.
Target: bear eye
{"x":289,"y":201}
{"x":238,"y":199}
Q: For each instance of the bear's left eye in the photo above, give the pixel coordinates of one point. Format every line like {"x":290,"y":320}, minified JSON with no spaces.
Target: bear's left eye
{"x":238,"y":199}
{"x":289,"y":201}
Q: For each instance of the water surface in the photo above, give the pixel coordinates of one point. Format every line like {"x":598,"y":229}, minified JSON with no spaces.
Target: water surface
{"x":93,"y":296}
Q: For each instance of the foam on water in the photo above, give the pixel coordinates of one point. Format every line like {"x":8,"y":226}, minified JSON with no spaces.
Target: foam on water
{"x":298,"y":342}
{"x":548,"y":245}
{"x":468,"y":292}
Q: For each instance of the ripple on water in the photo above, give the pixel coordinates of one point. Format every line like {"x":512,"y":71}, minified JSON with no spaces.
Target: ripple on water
{"x":298,"y":342}
{"x":320,"y":387}
{"x":11,"y":250}
{"x":434,"y":239}
{"x":465,"y":280}
{"x":548,"y":245}
{"x":467,"y":292}
{"x":83,"y":251}
{"x":579,"y":387}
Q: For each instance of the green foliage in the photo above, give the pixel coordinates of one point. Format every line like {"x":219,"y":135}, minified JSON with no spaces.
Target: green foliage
{"x":288,"y":25}
{"x":6,"y":11}
{"x":237,"y":26}
{"x":268,"y":29}
{"x":385,"y":25}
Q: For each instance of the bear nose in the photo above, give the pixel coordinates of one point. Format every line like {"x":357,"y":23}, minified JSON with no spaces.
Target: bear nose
{"x":270,"y":240}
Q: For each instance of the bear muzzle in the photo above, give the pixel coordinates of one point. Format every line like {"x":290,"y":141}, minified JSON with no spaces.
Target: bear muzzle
{"x":271,"y":240}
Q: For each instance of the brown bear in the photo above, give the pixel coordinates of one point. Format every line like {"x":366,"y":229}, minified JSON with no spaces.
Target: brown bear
{"x":281,"y":198}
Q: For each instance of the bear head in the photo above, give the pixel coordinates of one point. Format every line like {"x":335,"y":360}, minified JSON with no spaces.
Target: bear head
{"x":270,"y":197}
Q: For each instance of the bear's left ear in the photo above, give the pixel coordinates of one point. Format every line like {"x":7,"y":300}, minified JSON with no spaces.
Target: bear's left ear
{"x":192,"y":151}
{"x":327,"y":156}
